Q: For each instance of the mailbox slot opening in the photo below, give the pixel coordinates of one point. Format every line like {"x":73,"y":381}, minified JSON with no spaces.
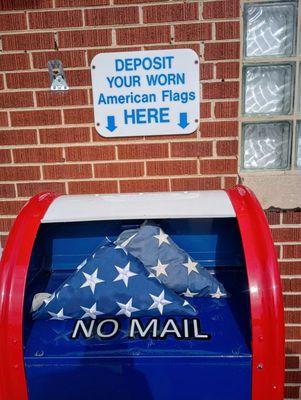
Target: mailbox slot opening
{"x":48,"y":348}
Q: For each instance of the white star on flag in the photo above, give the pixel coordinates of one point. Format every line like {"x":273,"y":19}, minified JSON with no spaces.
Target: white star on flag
{"x":127,"y":308}
{"x":91,"y":280}
{"x":159,"y":302}
{"x":191,"y":266}
{"x":218,"y":294}
{"x":160,"y":268}
{"x":162,"y":237}
{"x":59,"y":316}
{"x":124,"y":274}
{"x":188,"y":293}
{"x":91,"y":312}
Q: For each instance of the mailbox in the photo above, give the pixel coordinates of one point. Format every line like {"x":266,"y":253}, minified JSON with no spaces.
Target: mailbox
{"x":238,"y":351}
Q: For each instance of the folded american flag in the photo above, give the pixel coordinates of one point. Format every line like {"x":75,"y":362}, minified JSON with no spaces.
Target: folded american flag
{"x":112,"y":282}
{"x":168,"y":262}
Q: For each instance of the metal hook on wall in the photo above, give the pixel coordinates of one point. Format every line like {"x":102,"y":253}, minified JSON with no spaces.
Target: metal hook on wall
{"x":57,"y":76}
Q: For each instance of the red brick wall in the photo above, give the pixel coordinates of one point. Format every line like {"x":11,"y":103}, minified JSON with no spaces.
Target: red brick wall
{"x":48,"y":141}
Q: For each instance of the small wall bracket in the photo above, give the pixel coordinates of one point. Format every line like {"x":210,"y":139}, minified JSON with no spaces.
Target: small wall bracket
{"x":57,"y":76}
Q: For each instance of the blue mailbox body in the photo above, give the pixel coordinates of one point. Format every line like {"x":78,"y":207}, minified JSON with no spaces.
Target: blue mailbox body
{"x":53,"y":365}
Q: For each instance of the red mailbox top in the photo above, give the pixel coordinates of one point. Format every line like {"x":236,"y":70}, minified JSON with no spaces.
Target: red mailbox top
{"x":263,"y":278}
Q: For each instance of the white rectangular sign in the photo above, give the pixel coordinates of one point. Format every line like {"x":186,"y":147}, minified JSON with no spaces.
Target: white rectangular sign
{"x":143,"y":93}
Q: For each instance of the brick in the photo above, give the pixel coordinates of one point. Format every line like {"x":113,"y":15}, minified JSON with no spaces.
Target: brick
{"x":64,"y":135}
{"x":296,"y":285}
{"x":220,"y":90}
{"x":227,"y":166}
{"x":5,"y":156}
{"x":19,"y":173}
{"x":30,"y":80}
{"x":286,"y":285}
{"x":92,"y":187}
{"x":36,"y":117}
{"x":93,"y":52}
{"x":170,"y":13}
{"x":191,"y":149}
{"x":18,"y":137}
{"x":38,"y":155}
{"x":227,"y":109}
{"x":293,"y":332}
{"x":292,"y":300}
{"x":206,"y":71}
{"x":135,"y":1}
{"x":221,"y":51}
{"x":1,"y":82}
{"x":227,"y":30}
{"x":67,"y":171}
{"x":28,"y":41}
{"x":291,"y":392}
{"x":11,"y":207}
{"x":286,"y":234}
{"x":29,"y":189}
{"x":292,"y":251}
{"x":205,"y":110}
{"x":273,"y":217}
{"x":88,"y":153}
{"x":112,"y":16}
{"x":87,"y":38}
{"x":290,"y":267}
{"x":77,"y":97}
{"x":292,"y":217}
{"x":12,"y":22}
{"x":7,"y":191}
{"x":79,"y":3}
{"x":221,"y":9}
{"x":292,"y":362}
{"x":292,"y":317}
{"x":6,"y":224}
{"x":144,"y":185}
{"x":185,"y":167}
{"x":119,"y":170}
{"x":230,"y":182}
{"x":73,"y":58}
{"x":142,"y":151}
{"x":24,"y":4}
{"x":143,"y":35}
{"x":192,"y":46}
{"x":3,"y":239}
{"x":293,"y":376}
{"x":3,"y":119}
{"x":293,"y":347}
{"x":219,"y":129}
{"x":193,"y":32}
{"x":79,"y":77}
{"x":16,"y":99}
{"x":227,"y":148}
{"x":55,"y":19}
{"x":227,"y":70}
{"x":195,"y":183}
{"x":79,"y":116}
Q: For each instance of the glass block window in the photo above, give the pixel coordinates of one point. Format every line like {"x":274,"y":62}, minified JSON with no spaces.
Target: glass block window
{"x":298,"y":145}
{"x":271,"y":94}
{"x":266,"y":145}
{"x":270,"y":29}
{"x":268,"y":89}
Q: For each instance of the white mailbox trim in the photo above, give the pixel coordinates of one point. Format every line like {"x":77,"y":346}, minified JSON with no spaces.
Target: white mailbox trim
{"x":196,"y":204}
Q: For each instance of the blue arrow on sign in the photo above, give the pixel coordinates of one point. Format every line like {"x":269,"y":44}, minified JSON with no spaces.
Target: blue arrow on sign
{"x":183,"y":120}
{"x":111,"y":123}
